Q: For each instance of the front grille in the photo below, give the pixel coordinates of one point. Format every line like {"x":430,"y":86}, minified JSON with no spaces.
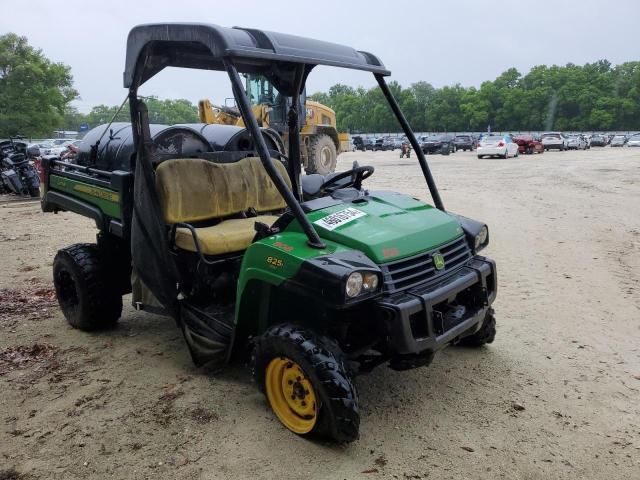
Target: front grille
{"x":409,"y":272}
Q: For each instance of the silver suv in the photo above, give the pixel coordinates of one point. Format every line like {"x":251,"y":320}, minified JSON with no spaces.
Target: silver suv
{"x":554,"y":140}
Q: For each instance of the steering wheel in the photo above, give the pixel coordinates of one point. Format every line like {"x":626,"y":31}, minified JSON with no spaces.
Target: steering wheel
{"x":357,"y":174}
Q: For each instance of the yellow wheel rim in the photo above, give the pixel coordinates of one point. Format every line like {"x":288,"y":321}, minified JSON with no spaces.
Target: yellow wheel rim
{"x":291,"y":395}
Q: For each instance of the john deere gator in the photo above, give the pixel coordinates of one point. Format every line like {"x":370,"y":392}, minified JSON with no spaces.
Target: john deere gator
{"x":314,"y":278}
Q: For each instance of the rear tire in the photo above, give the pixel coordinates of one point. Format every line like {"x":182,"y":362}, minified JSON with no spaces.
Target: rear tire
{"x":322,"y":155}
{"x":486,"y":334}
{"x":480,"y":157}
{"x":323,"y":366}
{"x":87,"y":297}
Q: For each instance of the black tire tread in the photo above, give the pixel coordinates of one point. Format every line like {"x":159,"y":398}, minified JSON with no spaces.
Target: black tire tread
{"x":101,"y":305}
{"x":486,"y":334}
{"x":339,"y":417}
{"x":312,"y":166}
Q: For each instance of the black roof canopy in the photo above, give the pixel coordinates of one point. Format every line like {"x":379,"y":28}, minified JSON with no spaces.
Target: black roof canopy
{"x":152,"y":47}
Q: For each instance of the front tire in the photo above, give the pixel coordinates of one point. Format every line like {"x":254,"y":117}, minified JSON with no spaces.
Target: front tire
{"x":486,"y":334}
{"x":322,"y":155}
{"x":87,"y":297}
{"x":307,"y":382}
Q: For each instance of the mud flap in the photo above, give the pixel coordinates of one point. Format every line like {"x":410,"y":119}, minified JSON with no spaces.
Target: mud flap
{"x":209,"y":334}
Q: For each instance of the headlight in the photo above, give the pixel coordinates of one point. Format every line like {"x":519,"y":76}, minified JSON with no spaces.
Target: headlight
{"x":481,"y":238}
{"x":477,"y":233}
{"x":354,"y":284}
{"x":361,"y":283}
{"x":370,"y":282}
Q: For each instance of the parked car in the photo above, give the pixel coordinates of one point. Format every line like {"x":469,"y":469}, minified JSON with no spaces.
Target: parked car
{"x":618,"y":141}
{"x":501,"y":146}
{"x":362,"y":143}
{"x":634,"y":140}
{"x":59,"y":145}
{"x":554,"y":141}
{"x":528,"y":144}
{"x":381,"y":144}
{"x":389,"y":143}
{"x":398,"y":142}
{"x":464,"y":142}
{"x":598,"y":141}
{"x":440,"y":143}
{"x":45,"y":147}
{"x":576,"y":142}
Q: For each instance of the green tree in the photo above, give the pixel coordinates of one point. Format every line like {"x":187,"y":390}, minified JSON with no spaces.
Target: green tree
{"x":72,"y":118}
{"x":34,"y":91}
{"x":594,"y":96}
{"x":166,"y":112}
{"x":104,"y":114}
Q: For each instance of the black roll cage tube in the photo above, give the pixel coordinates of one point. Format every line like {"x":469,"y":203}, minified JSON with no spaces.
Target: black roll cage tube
{"x":252,"y":125}
{"x":412,"y":140}
{"x":141,"y":136}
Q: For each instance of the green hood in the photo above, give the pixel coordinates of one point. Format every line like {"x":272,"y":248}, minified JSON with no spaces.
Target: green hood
{"x":387,"y":226}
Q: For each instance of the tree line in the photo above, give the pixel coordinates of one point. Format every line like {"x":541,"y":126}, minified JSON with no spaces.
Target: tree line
{"x":595,"y":96}
{"x":36,"y":96}
{"x":167,"y":112}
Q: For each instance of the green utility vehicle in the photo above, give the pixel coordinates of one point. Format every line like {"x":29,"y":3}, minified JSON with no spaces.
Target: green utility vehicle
{"x":314,"y":278}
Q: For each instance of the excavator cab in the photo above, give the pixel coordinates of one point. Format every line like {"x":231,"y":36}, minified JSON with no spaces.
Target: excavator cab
{"x":264,"y":95}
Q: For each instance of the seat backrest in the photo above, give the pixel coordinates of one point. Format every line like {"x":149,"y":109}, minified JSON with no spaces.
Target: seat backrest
{"x":193,"y":189}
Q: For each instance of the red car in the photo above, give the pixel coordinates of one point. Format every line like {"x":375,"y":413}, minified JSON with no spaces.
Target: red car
{"x":528,"y":144}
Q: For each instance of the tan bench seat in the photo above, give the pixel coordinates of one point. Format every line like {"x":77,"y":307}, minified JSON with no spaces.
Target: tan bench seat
{"x":233,"y":235}
{"x":194,"y":190}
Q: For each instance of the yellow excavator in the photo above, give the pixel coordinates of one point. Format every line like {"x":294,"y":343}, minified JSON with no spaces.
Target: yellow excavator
{"x":320,"y":141}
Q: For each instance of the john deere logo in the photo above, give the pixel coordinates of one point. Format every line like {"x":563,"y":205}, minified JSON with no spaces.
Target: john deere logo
{"x":438,"y":261}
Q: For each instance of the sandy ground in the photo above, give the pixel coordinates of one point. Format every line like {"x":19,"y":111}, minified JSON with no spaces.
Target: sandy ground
{"x":556,"y":396}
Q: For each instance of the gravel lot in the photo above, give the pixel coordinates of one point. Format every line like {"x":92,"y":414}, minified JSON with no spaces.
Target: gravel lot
{"x":556,"y":396}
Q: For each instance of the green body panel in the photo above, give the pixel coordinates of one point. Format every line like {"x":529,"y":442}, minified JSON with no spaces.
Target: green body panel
{"x":277,"y":258}
{"x":394,"y":226}
{"x":106,"y":200}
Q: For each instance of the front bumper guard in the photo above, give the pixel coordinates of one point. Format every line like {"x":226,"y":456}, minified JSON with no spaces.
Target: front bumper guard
{"x":427,"y":318}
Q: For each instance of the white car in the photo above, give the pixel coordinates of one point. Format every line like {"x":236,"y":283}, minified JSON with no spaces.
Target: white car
{"x":634,"y":140}
{"x":618,"y":141}
{"x":60,"y":145}
{"x":553,"y":141}
{"x":576,"y":142}
{"x":501,"y":146}
{"x":45,"y":147}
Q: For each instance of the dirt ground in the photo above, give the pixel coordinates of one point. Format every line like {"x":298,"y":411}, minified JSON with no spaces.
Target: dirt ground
{"x":557,"y":396}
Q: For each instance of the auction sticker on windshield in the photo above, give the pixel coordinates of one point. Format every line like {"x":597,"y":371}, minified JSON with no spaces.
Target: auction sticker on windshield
{"x":333,"y":221}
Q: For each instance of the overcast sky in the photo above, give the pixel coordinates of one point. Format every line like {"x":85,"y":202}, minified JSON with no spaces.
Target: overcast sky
{"x":441,"y":42}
